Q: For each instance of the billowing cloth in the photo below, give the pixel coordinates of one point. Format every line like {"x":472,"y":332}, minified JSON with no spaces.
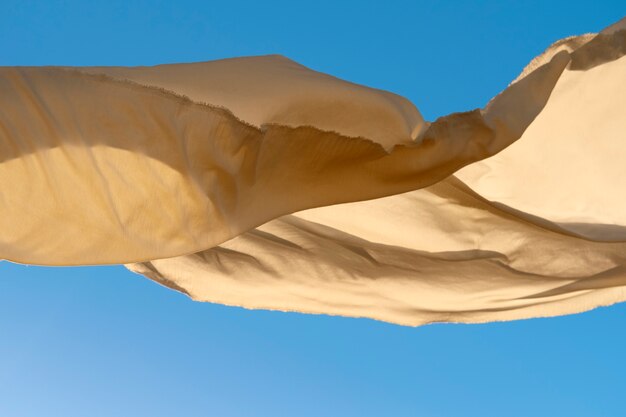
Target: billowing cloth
{"x":260,"y":183}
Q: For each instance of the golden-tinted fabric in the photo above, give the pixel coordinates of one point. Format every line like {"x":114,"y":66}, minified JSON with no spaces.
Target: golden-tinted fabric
{"x":261,"y":183}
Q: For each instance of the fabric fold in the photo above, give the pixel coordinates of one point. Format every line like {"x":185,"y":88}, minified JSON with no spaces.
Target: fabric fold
{"x":261,"y":183}
{"x":98,"y":170}
{"x":535,"y":230}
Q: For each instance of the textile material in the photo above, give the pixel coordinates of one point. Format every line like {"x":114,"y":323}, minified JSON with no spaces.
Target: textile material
{"x":260,"y":183}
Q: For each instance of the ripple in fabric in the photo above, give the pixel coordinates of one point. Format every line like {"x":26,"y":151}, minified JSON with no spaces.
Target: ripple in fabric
{"x":260,"y":183}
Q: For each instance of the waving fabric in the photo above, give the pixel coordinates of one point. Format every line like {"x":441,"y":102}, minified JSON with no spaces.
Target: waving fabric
{"x":260,"y":183}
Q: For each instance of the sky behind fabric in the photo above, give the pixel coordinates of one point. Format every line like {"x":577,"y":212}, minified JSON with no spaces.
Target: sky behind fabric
{"x":101,"y":341}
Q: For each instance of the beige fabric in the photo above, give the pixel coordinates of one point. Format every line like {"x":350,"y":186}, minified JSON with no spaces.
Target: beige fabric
{"x":274,"y":89}
{"x":100,"y":170}
{"x":435,"y":255}
{"x":191,"y":166}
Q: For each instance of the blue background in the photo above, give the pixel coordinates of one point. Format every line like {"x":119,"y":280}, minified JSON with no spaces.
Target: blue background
{"x":101,"y":341}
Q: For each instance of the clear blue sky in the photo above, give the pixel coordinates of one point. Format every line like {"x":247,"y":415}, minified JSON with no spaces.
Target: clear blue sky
{"x":101,"y":341}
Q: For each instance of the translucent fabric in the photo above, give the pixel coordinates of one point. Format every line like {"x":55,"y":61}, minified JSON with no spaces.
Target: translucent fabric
{"x":260,"y":183}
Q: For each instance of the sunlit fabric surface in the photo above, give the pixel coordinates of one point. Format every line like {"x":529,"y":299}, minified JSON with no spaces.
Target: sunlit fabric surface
{"x":260,"y":183}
